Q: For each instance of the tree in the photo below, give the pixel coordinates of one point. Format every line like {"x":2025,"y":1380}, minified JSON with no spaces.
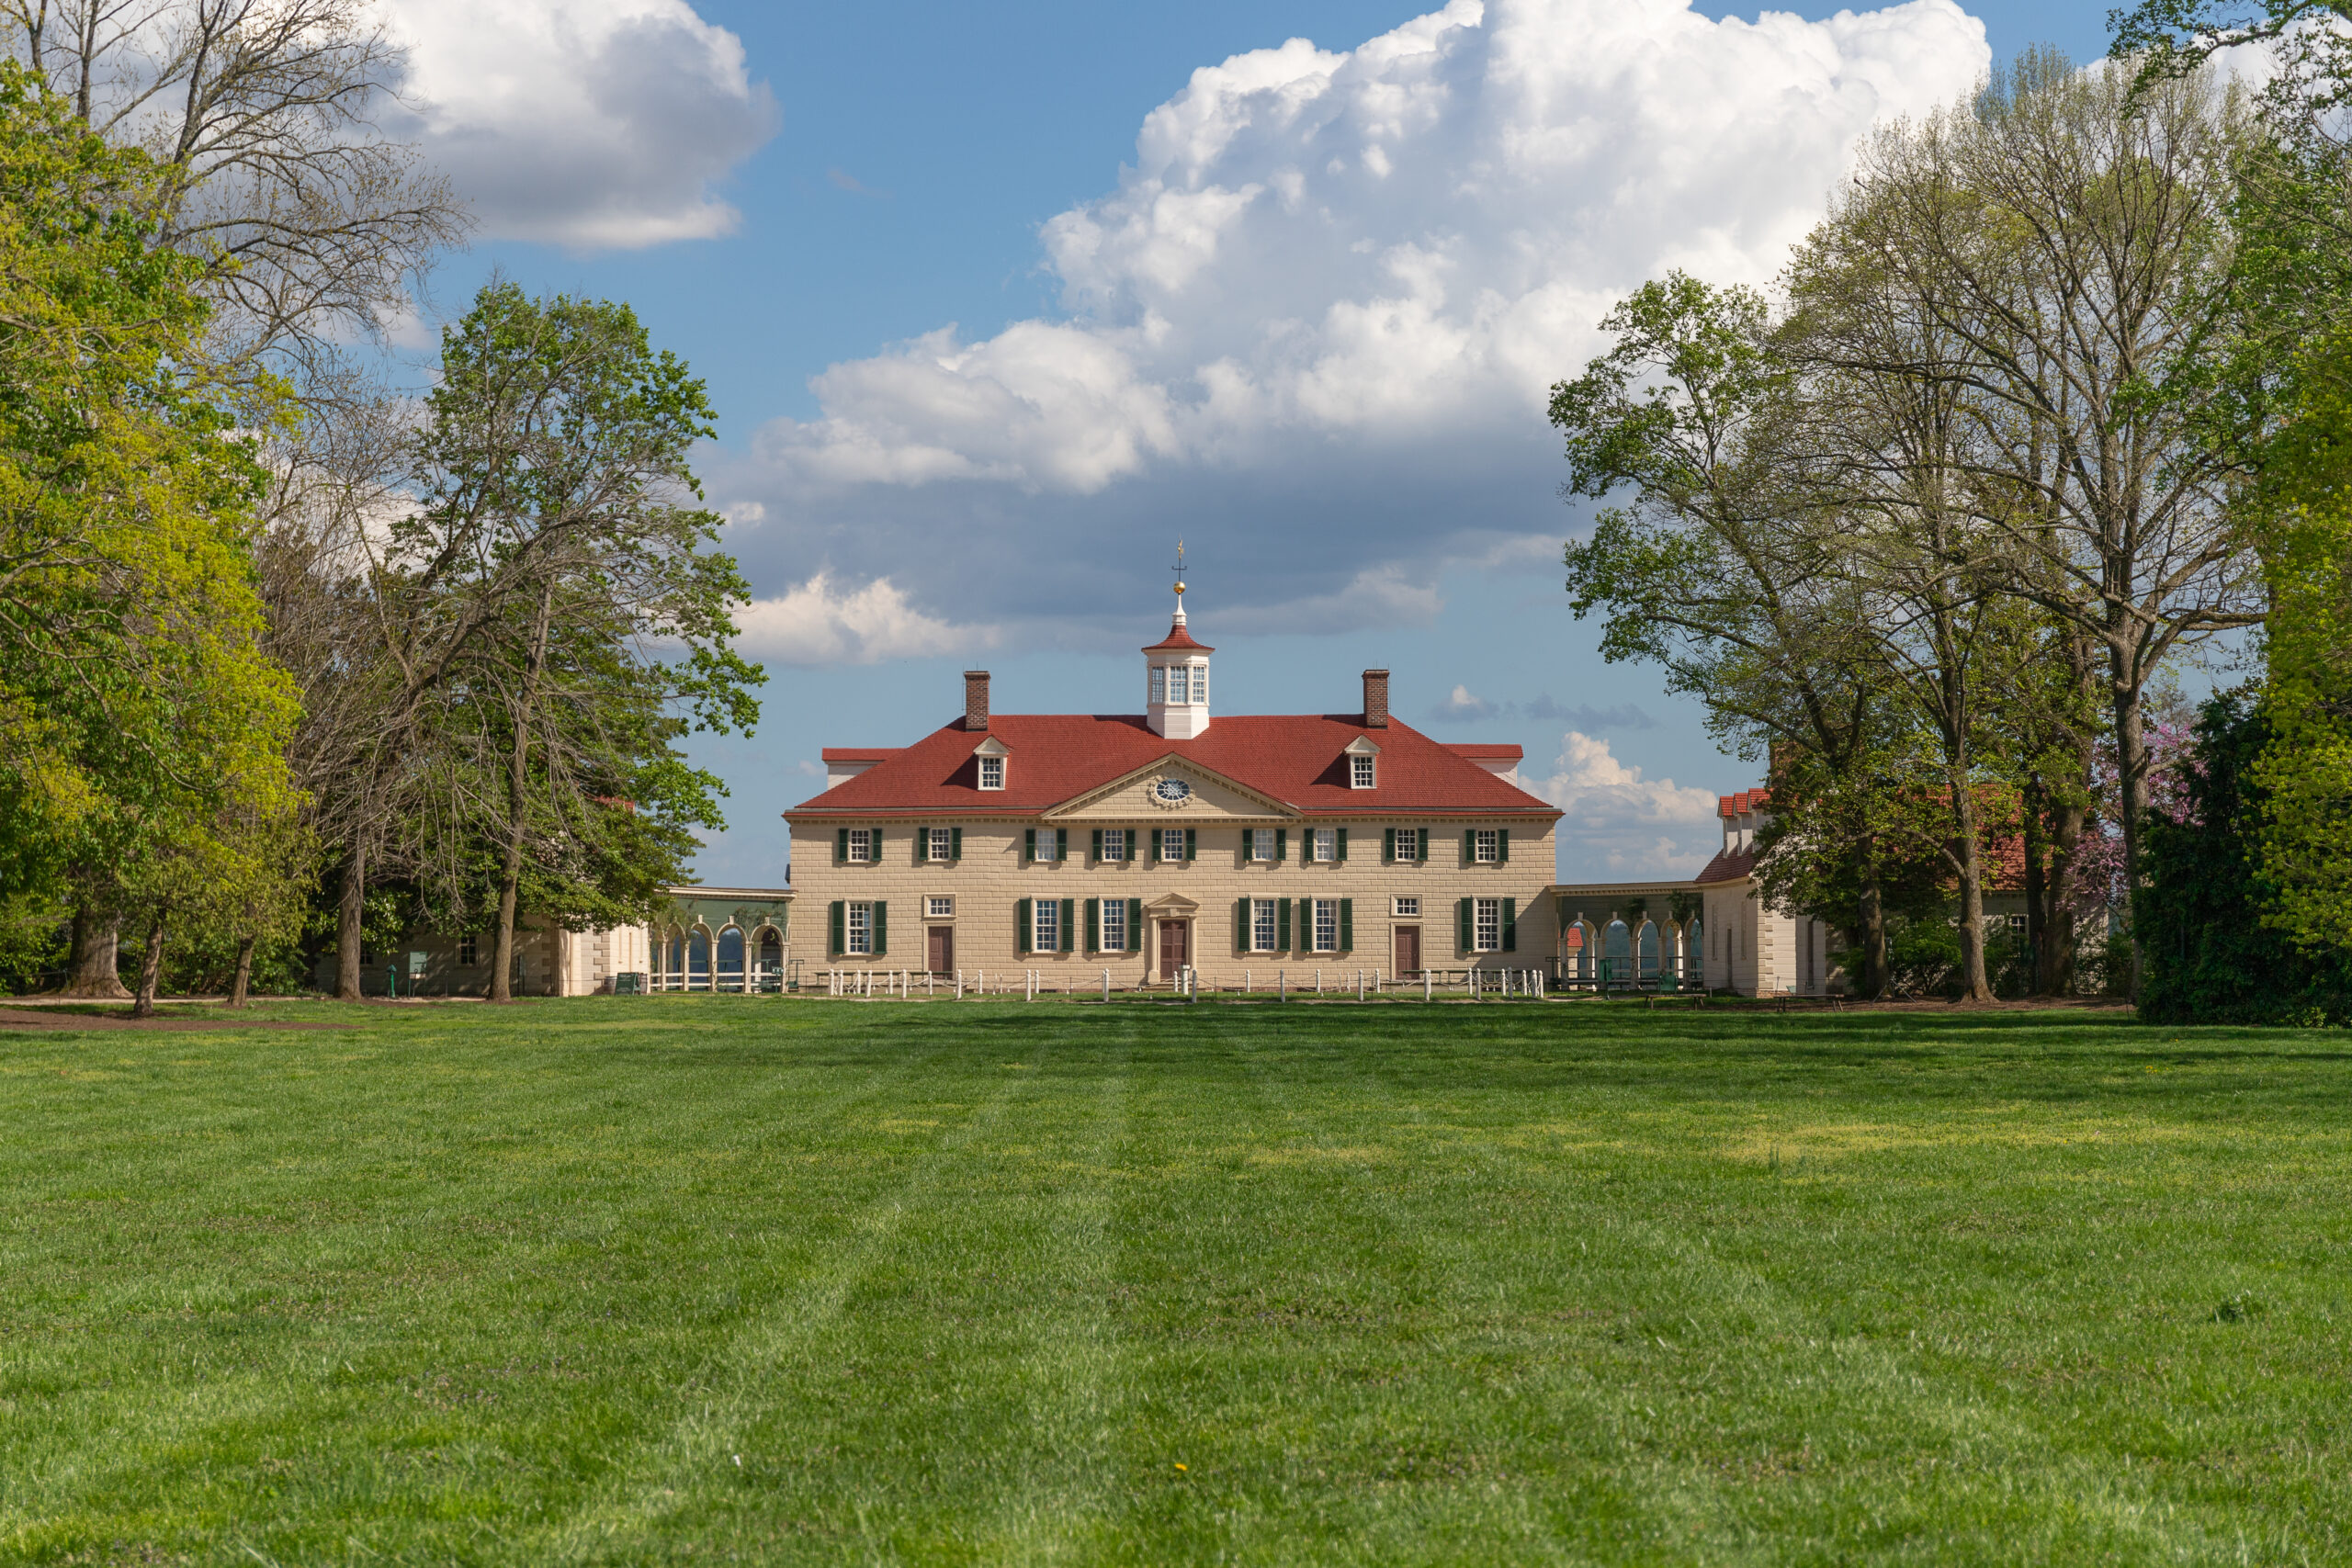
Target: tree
{"x":557,"y":526}
{"x":132,"y":690}
{"x":1717,"y":570}
{"x":2071,"y":246}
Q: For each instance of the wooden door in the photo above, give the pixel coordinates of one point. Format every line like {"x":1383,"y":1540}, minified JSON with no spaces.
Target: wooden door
{"x":939,"y":954}
{"x":1409,"y":950}
{"x":1173,"y":946}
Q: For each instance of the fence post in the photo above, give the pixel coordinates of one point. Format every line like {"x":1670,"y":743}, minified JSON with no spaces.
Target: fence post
{"x":1425,"y":985}
{"x":1318,"y":980}
{"x":1359,"y":984}
{"x":1281,"y":985}
{"x":959,"y":985}
{"x":1106,"y":984}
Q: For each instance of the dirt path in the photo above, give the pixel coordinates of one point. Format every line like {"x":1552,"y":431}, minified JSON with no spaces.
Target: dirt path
{"x":12,"y":1018}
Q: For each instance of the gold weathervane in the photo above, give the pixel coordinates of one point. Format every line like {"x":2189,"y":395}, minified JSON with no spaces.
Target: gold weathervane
{"x":1179,"y":569}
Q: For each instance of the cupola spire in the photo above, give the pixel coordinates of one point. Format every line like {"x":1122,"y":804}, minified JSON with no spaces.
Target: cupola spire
{"x":1177,"y":671}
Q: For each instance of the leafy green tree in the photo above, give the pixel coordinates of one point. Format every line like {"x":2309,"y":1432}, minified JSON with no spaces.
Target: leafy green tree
{"x":561,"y":521}
{"x":134,"y":698}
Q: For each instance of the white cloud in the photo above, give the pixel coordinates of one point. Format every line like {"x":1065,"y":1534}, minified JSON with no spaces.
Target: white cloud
{"x":1618,"y":824}
{"x":818,"y":624}
{"x":588,"y":123}
{"x":1313,"y":324}
{"x":1461,"y":705}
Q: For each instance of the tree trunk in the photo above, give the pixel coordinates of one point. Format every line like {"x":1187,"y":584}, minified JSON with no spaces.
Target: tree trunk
{"x":151,"y":967}
{"x":518,"y":781}
{"x":2132,"y":765}
{"x":1974,"y":988}
{"x":1872,"y":933}
{"x":2037,"y":882}
{"x":95,"y":968}
{"x":240,"y":985}
{"x":2055,"y":955}
{"x":350,"y":921}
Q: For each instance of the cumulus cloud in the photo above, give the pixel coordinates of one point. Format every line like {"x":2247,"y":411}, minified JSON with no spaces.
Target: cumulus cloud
{"x":1619,"y":825}
{"x":817,"y":622}
{"x":589,"y":123}
{"x":1313,"y":323}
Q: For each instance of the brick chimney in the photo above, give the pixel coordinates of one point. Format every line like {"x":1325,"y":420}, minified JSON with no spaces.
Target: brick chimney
{"x":976,"y":699}
{"x":1375,"y":699}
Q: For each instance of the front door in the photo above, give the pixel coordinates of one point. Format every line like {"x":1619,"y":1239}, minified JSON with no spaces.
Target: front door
{"x":1173,"y":947}
{"x":940,"y":949}
{"x":1409,"y":950}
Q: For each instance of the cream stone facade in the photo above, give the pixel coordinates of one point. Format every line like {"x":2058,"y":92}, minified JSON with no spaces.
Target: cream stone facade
{"x":1237,"y":848}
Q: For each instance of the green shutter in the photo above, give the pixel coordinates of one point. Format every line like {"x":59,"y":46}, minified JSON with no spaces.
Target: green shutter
{"x":874,"y":849}
{"x":1510,"y":925}
{"x":1155,"y":844}
{"x":1028,"y":844}
{"x":1388,"y":845}
{"x":1069,"y":924}
{"x":881,"y":928}
{"x":1424,"y":844}
{"x":1021,"y":925}
{"x":1192,"y":838}
{"x":1061,"y":843}
{"x":1134,"y":925}
{"x":1340,"y":850}
{"x":839,"y":911}
{"x":840,"y":846}
{"x":1347,"y":925}
{"x":922,"y":844}
{"x":1282,"y":845}
{"x":1098,"y":843}
{"x":954,"y":844}
{"x":1281,"y":925}
{"x":1095,"y":917}
{"x":1502,"y":846}
{"x":1469,"y":846}
{"x":1242,"y":925}
{"x":1462,"y":919}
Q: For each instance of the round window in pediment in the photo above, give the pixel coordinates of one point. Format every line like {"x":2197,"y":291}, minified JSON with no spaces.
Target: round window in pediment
{"x":1175,"y":791}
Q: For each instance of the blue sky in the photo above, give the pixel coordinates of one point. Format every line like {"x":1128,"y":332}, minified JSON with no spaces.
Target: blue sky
{"x":988,"y":332}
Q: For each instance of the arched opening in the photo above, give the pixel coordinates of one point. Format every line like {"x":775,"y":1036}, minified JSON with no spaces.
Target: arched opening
{"x":674,"y":962}
{"x":771,"y":959}
{"x":730,"y":959}
{"x":1649,"y":953}
{"x":1576,"y":951}
{"x":1617,"y":952}
{"x":698,"y":959}
{"x":1695,"y":951}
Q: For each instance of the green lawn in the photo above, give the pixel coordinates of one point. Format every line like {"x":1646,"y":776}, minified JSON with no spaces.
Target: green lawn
{"x":752,"y":1279}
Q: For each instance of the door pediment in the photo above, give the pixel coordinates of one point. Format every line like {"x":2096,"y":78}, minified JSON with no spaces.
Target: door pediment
{"x":1172,"y":906}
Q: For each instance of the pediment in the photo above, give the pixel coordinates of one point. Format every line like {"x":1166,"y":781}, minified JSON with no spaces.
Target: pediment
{"x":1134,"y":798}
{"x":1173,"y":906}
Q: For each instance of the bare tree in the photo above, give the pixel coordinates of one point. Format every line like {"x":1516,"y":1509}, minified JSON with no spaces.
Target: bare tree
{"x":2069,"y":247}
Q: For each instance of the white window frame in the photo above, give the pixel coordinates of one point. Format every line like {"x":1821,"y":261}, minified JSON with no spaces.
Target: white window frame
{"x":939,"y":907}
{"x":1115,"y":926}
{"x":1261,"y":844}
{"x":1045,"y":925}
{"x":1486,"y":848}
{"x":1327,"y":844}
{"x":1159,"y":682}
{"x":1262,"y":928}
{"x":1200,"y":683}
{"x":857,"y":929}
{"x":1180,"y":683}
{"x":861,"y":846}
{"x":1114,"y":836}
{"x":1326,"y":929}
{"x":943,"y":843}
{"x":1050,"y":845}
{"x":1406,"y":908}
{"x":1486,"y":925}
{"x":1408,"y":841}
{"x":992,"y":772}
{"x":1177,"y":842}
{"x":1362,"y":771}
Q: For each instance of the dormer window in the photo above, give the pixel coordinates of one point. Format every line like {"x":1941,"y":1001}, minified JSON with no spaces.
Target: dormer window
{"x":989,"y":756}
{"x":1360,"y":772}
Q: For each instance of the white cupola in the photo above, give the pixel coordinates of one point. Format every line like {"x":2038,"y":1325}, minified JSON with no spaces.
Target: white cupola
{"x":1176,"y":671}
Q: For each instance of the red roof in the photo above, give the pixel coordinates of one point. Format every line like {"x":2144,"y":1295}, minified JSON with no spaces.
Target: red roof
{"x":859,"y":754}
{"x":1300,"y":759}
{"x":1178,"y":637}
{"x":1745,"y":801}
{"x":1729,"y":865}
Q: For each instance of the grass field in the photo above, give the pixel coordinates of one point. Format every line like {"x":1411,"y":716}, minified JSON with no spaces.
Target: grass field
{"x":725,"y":1279}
